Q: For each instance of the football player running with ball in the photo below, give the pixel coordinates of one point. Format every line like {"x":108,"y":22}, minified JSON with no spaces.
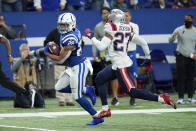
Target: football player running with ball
{"x":116,"y":39}
{"x":71,"y":55}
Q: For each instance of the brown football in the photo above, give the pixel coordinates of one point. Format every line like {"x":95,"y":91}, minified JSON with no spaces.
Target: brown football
{"x":54,"y":48}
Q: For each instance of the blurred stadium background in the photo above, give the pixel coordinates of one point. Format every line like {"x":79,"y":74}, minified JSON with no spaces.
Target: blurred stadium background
{"x":155,"y":26}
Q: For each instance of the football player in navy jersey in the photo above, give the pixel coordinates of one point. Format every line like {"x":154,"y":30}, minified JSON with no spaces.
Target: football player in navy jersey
{"x":116,"y":39}
{"x":71,"y":55}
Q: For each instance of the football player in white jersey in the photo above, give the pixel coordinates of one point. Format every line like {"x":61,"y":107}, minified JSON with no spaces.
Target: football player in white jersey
{"x":117,"y":37}
{"x":71,"y":53}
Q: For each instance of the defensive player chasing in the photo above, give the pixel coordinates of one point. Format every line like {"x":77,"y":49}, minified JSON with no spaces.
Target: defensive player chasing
{"x":117,"y":36}
{"x":70,"y":41}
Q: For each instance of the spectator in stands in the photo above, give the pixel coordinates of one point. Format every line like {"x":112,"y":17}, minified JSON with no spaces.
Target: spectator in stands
{"x":183,"y":4}
{"x":185,"y":58}
{"x":63,"y":98}
{"x":5,"y":30}
{"x":97,"y":4}
{"x":104,"y":59}
{"x":118,"y":4}
{"x":162,"y":4}
{"x":49,"y":5}
{"x":133,"y":4}
{"x":0,"y":6}
{"x":76,"y":4}
{"x":28,"y":5}
{"x":11,"y":5}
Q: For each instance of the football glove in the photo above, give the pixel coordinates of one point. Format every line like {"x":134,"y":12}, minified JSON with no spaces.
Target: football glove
{"x":46,"y":48}
{"x":89,"y":34}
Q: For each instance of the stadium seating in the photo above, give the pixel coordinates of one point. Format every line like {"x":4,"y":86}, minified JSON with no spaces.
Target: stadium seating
{"x":20,"y":30}
{"x":161,"y":72}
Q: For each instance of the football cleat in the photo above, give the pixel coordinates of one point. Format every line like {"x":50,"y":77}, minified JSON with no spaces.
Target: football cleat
{"x":180,"y":101}
{"x":103,"y":113}
{"x":167,"y":100}
{"x":96,"y":121}
{"x":191,"y":100}
{"x":115,"y":101}
{"x":90,"y":92}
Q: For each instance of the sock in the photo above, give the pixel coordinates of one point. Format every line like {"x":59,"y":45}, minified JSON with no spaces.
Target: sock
{"x":86,"y":105}
{"x":65,"y":90}
{"x":143,"y":94}
{"x":160,"y":99}
{"x":105,"y":107}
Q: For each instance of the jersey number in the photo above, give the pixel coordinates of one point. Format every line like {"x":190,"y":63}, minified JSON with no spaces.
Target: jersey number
{"x":119,"y":40}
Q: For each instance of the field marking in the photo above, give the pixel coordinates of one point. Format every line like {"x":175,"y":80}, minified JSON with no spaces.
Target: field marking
{"x":53,"y":114}
{"x":38,"y":129}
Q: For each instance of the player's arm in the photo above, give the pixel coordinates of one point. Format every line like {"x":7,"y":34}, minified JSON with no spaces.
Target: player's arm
{"x":104,"y":43}
{"x":6,"y":42}
{"x":64,"y":54}
{"x":140,"y":41}
{"x":106,"y":40}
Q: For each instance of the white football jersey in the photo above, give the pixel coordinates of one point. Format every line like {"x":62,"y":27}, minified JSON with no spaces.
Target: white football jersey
{"x":118,"y":46}
{"x":135,"y":27}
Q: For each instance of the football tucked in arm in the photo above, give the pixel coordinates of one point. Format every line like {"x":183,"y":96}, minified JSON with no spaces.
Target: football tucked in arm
{"x":54,"y":48}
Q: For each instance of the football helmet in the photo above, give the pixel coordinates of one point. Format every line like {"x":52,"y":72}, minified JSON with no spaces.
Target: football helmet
{"x":67,"y":19}
{"x":116,"y":16}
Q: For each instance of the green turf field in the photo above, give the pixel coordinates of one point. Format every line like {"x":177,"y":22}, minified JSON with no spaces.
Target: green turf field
{"x":164,"y":121}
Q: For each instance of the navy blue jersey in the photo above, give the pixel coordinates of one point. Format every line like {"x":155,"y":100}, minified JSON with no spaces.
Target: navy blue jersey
{"x":73,"y":38}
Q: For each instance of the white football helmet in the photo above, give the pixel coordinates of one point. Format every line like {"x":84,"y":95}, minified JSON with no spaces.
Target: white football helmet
{"x":116,"y":16}
{"x":68,"y":19}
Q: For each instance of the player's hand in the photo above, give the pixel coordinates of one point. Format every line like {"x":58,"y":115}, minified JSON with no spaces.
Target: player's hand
{"x":194,"y":56}
{"x":62,"y":7}
{"x":10,"y":59}
{"x":46,"y":48}
{"x":89,"y":34}
{"x":39,"y":9}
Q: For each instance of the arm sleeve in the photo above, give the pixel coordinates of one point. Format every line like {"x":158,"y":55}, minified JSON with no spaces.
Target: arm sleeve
{"x":103,"y":44}
{"x":16,"y":64}
{"x":140,"y":41}
{"x":70,"y":40}
{"x":37,"y":4}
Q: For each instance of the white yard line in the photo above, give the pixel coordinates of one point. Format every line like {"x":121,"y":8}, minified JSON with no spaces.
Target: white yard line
{"x":38,"y":129}
{"x":53,"y":114}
